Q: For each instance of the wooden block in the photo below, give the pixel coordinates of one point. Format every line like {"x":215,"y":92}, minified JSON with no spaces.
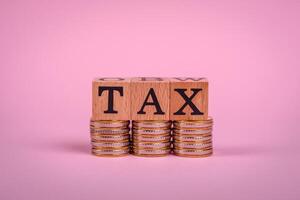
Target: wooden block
{"x":150,"y":98}
{"x":189,"y":98}
{"x":111,"y":99}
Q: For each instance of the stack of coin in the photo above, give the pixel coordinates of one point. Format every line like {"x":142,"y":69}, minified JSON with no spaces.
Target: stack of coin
{"x":193,"y":138}
{"x":151,"y":138}
{"x":110,"y":138}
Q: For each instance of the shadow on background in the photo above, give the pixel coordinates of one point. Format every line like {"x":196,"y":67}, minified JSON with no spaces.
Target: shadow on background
{"x":225,"y":151}
{"x":73,"y":147}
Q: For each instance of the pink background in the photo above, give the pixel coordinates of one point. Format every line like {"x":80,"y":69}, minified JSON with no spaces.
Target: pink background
{"x":51,"y":50}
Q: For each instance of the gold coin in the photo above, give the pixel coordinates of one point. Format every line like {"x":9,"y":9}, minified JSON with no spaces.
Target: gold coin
{"x":145,"y":148}
{"x":210,"y":126}
{"x":208,"y":120}
{"x":193,"y":138}
{"x":151,"y":121}
{"x":150,"y":152}
{"x":150,"y":124}
{"x":192,"y":131}
{"x":110,"y":152}
{"x":109,"y":131}
{"x":192,"y":145}
{"x":109,"y":124}
{"x":193,"y":152}
{"x":110,"y":121}
{"x":116,"y":137}
{"x":96,"y":126}
{"x":112,"y":148}
{"x":150,"y":155}
{"x":151,"y":138}
{"x":111,"y":155}
{"x":150,"y":131}
{"x":151,"y":144}
{"x":110,"y":144}
{"x":193,"y":135}
{"x":193,"y":123}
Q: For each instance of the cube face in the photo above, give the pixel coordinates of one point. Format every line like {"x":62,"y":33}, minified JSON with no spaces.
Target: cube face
{"x":150,"y":98}
{"x":189,"y":98}
{"x":111,"y":99}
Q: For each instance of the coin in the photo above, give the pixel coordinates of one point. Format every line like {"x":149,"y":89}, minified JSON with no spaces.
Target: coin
{"x":193,"y":145}
{"x":116,"y":137}
{"x":110,"y":138}
{"x":192,"y":138}
{"x":110,"y":152}
{"x":190,"y":123}
{"x":194,"y":127}
{"x":192,"y":131}
{"x":151,"y":138}
{"x":152,"y":124}
{"x":109,"y":124}
{"x":109,"y":131}
{"x":151,"y":144}
{"x":150,"y":131}
{"x":110,"y":144}
{"x":96,"y":126}
{"x":151,"y":152}
{"x":193,"y":152}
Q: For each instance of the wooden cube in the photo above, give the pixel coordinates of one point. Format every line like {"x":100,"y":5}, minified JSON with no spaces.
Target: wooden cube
{"x":189,"y":98}
{"x":111,"y":99}
{"x":150,"y":98}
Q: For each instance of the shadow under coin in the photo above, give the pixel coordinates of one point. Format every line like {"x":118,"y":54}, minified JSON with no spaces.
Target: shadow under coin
{"x":225,"y":151}
{"x":68,"y":147}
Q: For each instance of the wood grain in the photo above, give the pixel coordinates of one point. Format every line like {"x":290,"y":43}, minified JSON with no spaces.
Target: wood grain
{"x":140,"y":89}
{"x":121,"y":99}
{"x":200,"y":100}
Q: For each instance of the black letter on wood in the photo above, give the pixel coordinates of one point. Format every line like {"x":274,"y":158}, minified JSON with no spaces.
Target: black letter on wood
{"x":110,"y":107}
{"x":188,"y":101}
{"x":154,"y":103}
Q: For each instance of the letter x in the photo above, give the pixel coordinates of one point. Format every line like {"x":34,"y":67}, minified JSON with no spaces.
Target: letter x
{"x":188,"y":101}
